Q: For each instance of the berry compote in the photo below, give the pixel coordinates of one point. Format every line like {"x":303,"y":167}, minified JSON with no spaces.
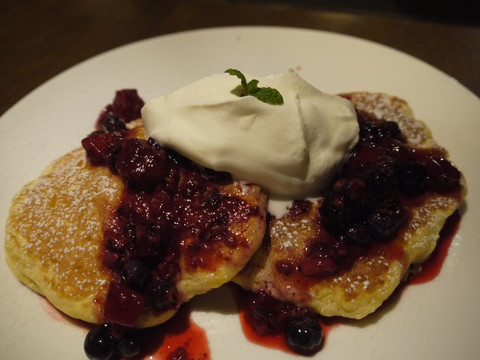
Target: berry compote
{"x":366,"y":204}
{"x":170,"y":210}
{"x":369,"y":200}
{"x":364,"y":208}
{"x":269,"y":318}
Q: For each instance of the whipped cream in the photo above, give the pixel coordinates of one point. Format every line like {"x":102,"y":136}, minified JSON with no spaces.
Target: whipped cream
{"x":292,"y":150}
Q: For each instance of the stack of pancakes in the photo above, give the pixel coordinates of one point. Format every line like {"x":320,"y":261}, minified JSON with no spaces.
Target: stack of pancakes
{"x":54,"y":238}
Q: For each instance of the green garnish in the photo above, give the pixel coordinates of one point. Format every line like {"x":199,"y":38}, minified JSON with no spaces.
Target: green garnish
{"x":266,"y":94}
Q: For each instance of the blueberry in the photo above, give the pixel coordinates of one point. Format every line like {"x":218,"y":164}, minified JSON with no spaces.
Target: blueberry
{"x":390,"y":129}
{"x":162,"y":295}
{"x":385,"y":222}
{"x":335,"y":212}
{"x":344,"y":206}
{"x":358,"y":233}
{"x":129,"y":345}
{"x":304,"y":334}
{"x":135,"y":275}
{"x":368,"y":131}
{"x":382,"y":129}
{"x":99,"y":343}
{"x":413,"y":178}
{"x":442,"y":174}
{"x":381,"y":180}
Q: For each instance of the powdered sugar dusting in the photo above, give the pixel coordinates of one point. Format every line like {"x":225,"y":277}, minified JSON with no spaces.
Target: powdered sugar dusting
{"x":383,"y":106}
{"x":58,"y":223}
{"x":291,"y":233}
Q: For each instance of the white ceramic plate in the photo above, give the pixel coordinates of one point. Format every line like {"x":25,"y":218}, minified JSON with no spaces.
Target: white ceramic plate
{"x":437,"y":320}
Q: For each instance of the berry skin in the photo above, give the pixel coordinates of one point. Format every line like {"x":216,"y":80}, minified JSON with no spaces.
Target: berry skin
{"x":442,"y":174}
{"x":304,"y":334}
{"x":127,"y":104}
{"x":101,"y":148}
{"x":140,"y":164}
{"x":135,"y":275}
{"x":385,"y":222}
{"x":413,"y":178}
{"x":129,"y":346}
{"x":99,"y":343}
{"x":113,"y":123}
{"x":162,"y":295}
{"x":123,"y":305}
{"x":359,"y":234}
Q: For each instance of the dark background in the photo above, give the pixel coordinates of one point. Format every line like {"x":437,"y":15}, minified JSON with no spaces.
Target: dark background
{"x":39,"y":39}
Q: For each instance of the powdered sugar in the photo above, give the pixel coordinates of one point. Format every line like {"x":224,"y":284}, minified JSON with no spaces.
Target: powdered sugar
{"x":59,"y":221}
{"x":386,"y":107}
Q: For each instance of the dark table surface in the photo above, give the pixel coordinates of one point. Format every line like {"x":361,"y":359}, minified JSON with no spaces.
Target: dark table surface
{"x":39,"y":39}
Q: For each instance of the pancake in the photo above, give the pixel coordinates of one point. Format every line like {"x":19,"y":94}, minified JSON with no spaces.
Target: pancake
{"x":66,"y":232}
{"x":298,"y":262}
{"x":55,"y":242}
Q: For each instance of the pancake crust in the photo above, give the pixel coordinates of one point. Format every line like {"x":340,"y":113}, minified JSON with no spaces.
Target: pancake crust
{"x":54,"y":234}
{"x":373,"y":277}
{"x":54,"y":238}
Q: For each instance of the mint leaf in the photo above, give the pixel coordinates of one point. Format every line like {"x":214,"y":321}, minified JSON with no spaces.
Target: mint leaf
{"x":242,"y":78}
{"x":252,"y":87}
{"x":265,"y":94}
{"x":269,"y":95}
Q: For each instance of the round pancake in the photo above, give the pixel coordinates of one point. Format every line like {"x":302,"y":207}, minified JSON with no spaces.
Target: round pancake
{"x":373,"y":277}
{"x":55,"y":230}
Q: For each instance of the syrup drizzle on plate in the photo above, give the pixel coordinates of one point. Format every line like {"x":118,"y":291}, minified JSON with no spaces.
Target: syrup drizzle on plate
{"x":178,"y":339}
{"x":181,"y":338}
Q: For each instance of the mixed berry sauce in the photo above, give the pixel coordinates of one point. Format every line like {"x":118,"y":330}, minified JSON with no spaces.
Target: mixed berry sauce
{"x":178,"y":339}
{"x":170,"y":209}
{"x":167,"y":196}
{"x":279,"y":324}
{"x":368,"y":204}
{"x":167,"y":208}
{"x":363,"y":210}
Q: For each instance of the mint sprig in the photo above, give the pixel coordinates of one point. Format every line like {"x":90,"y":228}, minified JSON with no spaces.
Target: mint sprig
{"x":266,"y":94}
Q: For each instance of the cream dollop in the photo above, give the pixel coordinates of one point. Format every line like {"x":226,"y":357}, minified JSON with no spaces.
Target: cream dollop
{"x":293,"y":150}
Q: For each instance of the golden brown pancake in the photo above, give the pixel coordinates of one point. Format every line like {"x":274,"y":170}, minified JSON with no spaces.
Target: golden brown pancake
{"x":55,"y":238}
{"x":360,"y":288}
